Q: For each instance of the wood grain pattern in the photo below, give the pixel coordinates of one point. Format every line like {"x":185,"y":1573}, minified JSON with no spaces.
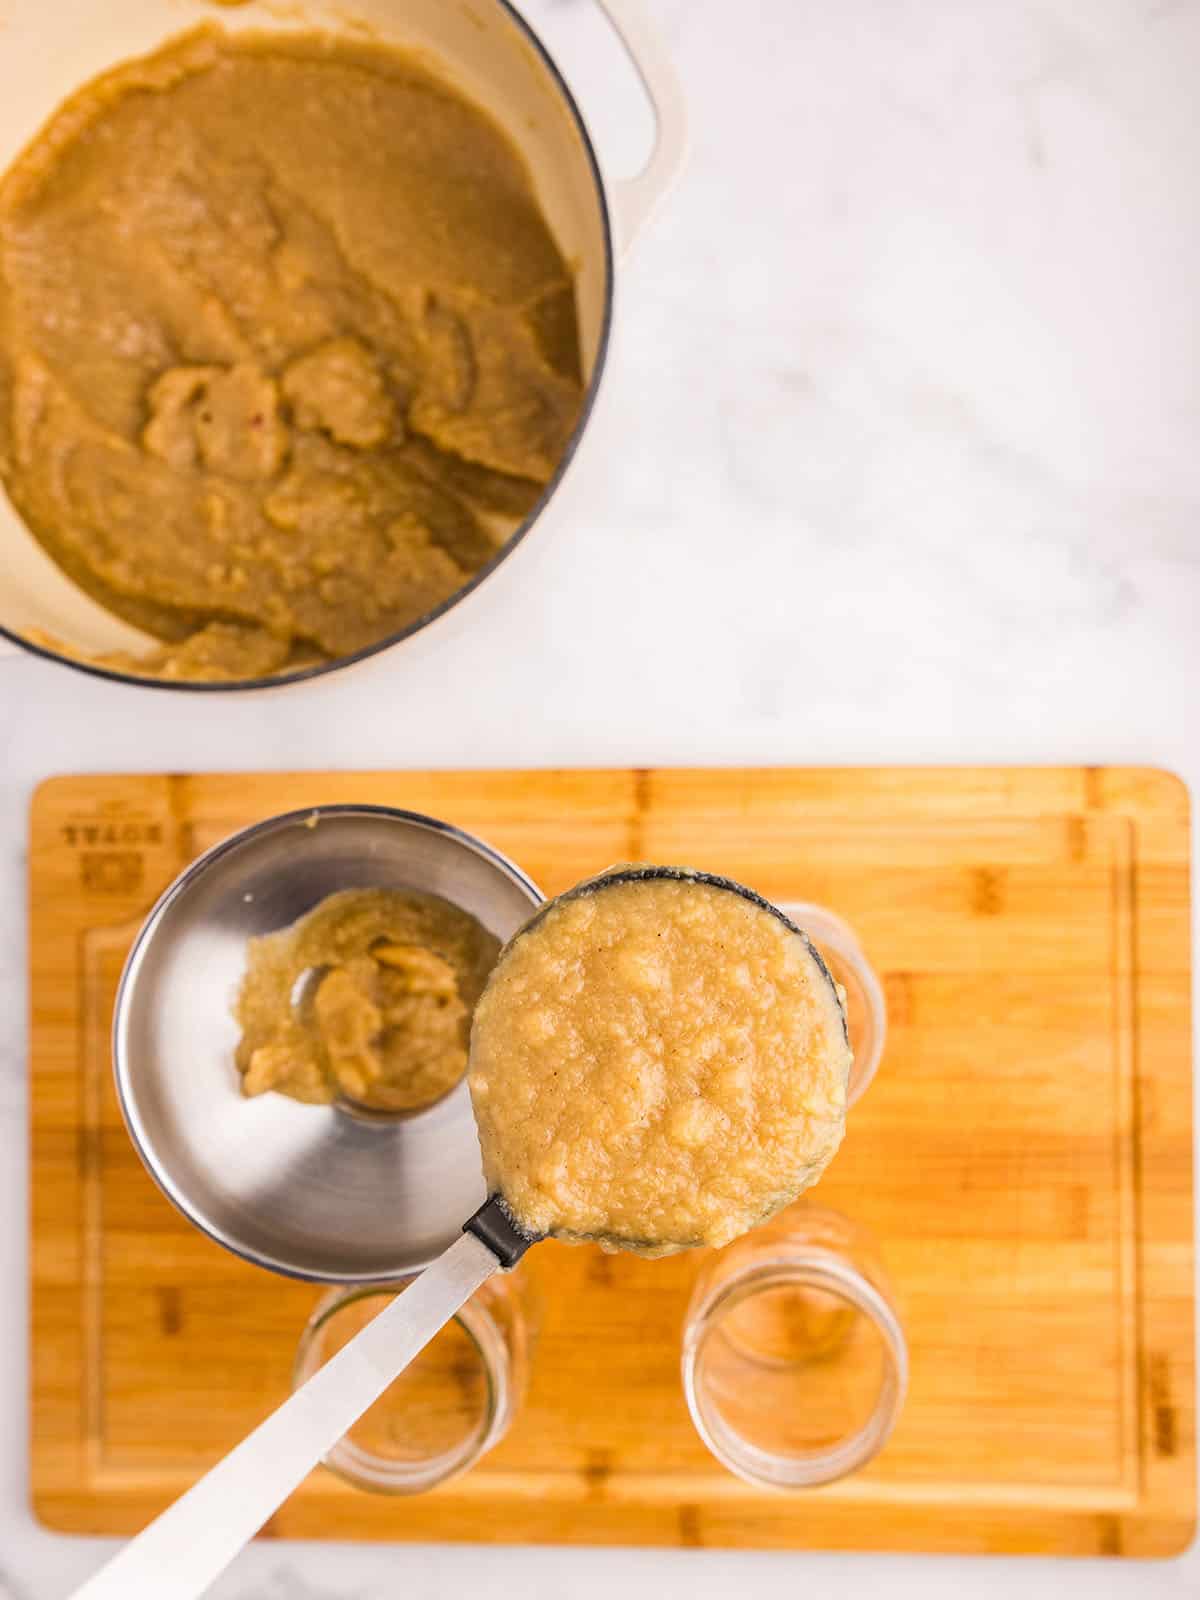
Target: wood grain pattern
{"x":1024,"y":1159}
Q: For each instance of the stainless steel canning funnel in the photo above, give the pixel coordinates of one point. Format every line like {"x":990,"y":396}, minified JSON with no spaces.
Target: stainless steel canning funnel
{"x":181,"y":1553}
{"x":316,"y":1192}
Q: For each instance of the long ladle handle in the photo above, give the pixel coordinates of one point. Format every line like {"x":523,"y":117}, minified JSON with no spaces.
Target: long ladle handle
{"x":185,"y":1549}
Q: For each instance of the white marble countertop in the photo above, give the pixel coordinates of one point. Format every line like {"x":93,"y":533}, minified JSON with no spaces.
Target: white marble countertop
{"x":898,"y":462}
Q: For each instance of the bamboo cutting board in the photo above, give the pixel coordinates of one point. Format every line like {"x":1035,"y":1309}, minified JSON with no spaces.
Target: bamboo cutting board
{"x":1024,"y":1160}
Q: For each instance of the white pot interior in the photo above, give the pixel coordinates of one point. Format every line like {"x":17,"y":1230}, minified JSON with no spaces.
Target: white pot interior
{"x":49,"y":50}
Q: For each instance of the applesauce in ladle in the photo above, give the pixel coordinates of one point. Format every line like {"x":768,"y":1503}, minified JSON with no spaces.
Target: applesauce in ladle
{"x":659,"y":1060}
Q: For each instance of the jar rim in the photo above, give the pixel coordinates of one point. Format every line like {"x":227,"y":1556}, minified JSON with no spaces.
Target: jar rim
{"x":817,"y":1269}
{"x":831,"y":932}
{"x":367,"y":1470}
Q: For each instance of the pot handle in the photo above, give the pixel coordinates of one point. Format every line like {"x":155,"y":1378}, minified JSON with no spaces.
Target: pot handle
{"x":634,"y":200}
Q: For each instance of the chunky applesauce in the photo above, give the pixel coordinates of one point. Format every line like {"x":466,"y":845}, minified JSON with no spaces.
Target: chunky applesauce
{"x":657,"y":1062}
{"x":287,"y":349}
{"x":368,"y":998}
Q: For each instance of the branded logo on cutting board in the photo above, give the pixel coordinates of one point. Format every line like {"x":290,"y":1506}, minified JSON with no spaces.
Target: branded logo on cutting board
{"x":110,"y":849}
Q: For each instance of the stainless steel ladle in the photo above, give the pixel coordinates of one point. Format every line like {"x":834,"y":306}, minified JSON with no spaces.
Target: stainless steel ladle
{"x":181,"y":1553}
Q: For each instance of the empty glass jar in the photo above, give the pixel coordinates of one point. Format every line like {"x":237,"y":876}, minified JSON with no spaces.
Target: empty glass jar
{"x":450,"y":1407}
{"x":794,"y":1358}
{"x":866,"y":1011}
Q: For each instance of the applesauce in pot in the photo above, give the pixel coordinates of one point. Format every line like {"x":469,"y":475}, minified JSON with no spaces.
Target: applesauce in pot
{"x":287,"y":349}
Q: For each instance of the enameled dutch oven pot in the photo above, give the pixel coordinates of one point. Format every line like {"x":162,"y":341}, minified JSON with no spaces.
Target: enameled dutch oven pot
{"x":490,"y":53}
